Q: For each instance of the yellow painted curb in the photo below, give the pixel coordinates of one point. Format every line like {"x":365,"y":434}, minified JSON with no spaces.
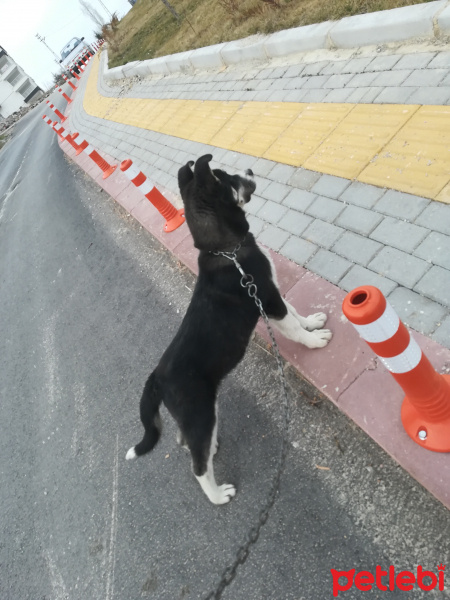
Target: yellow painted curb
{"x":402,"y":147}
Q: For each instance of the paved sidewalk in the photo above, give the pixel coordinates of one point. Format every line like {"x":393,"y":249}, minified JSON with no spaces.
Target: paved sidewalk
{"x":336,"y":231}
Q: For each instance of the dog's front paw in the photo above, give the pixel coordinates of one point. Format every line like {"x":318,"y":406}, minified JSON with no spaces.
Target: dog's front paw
{"x":315,"y":321}
{"x":223,"y":494}
{"x":319,"y":338}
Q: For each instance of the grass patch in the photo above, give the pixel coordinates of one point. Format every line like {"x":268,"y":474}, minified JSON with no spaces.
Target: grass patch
{"x":3,"y":140}
{"x":150,"y":29}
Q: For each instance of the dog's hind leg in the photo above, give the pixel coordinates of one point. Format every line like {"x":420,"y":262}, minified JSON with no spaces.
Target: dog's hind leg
{"x":203,"y":447}
{"x":151,"y":420}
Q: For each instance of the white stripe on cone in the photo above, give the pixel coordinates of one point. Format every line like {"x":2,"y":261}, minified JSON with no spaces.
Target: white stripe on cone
{"x":146,"y":187}
{"x":382,"y":329}
{"x":406,"y":360}
{"x":132,"y":172}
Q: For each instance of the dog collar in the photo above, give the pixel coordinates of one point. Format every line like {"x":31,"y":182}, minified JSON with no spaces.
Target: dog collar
{"x":227,"y":253}
{"x":233,"y":257}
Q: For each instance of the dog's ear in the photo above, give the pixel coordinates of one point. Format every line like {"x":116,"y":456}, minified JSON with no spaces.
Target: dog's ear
{"x":185,"y":175}
{"x":202,"y":171}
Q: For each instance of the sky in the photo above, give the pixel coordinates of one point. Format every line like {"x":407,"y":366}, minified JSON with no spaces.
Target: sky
{"x":58,"y":21}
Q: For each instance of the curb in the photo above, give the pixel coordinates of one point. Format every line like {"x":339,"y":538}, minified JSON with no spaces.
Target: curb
{"x":429,"y":21}
{"x":346,"y":371}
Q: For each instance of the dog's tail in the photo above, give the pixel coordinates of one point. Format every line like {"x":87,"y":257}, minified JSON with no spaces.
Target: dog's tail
{"x":149,"y":408}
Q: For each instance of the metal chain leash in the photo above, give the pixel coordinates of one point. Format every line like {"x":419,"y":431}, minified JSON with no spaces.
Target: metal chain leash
{"x":247,"y":282}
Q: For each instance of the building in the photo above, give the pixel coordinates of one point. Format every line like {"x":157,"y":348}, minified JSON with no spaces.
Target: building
{"x":16,"y":88}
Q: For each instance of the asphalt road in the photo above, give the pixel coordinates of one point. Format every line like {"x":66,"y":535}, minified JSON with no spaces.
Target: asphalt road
{"x":88,"y":303}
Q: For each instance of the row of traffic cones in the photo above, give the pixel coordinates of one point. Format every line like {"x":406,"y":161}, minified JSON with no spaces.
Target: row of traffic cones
{"x":174,"y":217}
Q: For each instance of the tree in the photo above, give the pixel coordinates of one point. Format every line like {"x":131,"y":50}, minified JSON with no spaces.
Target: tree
{"x":92,"y":13}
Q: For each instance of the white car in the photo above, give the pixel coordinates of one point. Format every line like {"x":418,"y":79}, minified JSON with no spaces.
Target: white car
{"x":73,"y":52}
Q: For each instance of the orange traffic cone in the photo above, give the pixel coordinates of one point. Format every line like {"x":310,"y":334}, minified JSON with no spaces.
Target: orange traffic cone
{"x":65,"y":96}
{"x":174,"y":218}
{"x":99,"y":161}
{"x":56,"y":111}
{"x":74,"y":87}
{"x":426,"y":407}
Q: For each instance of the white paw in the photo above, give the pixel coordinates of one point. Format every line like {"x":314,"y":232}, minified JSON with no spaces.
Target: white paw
{"x":223,"y":494}
{"x":316,"y":321}
{"x":131,"y":454}
{"x":319,"y":338}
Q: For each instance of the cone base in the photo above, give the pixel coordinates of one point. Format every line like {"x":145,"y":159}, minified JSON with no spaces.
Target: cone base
{"x":109,"y":171}
{"x":437,"y":432}
{"x":175,"y":222}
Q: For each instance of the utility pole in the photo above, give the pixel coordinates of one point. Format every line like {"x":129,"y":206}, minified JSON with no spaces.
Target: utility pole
{"x":42,"y":39}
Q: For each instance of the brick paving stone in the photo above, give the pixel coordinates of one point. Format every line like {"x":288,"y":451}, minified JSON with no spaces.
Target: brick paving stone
{"x":330,"y":186}
{"x":362,"y":79}
{"x":430,"y":95}
{"x":325,"y":208}
{"x":294,"y":70}
{"x":338,"y":81}
{"x":357,"y":65}
{"x":298,"y":250}
{"x":256,"y":225}
{"x":261,"y":184}
{"x":322,"y":233}
{"x":338,"y":95}
{"x":399,"y":266}
{"x":263,"y":167}
{"x":359,"y":220}
{"x":418,"y":312}
{"x":362,"y":194}
{"x":310,"y":96}
{"x":271,"y":212}
{"x":436,"y":217}
{"x":440,"y":61}
{"x":299,"y":199}
{"x":356,"y":248}
{"x":316,"y":81}
{"x":277,"y":96}
{"x":442,"y":333}
{"x":358,"y":94}
{"x":395,"y":95}
{"x":399,"y":234}
{"x":425,"y":77}
{"x":314,"y":68}
{"x":436,"y":249}
{"x":304,"y":179}
{"x":282,"y":173}
{"x":435,"y":284}
{"x":419,"y":60}
{"x":361,"y":276}
{"x":401,"y":205}
{"x":295,"y":83}
{"x":255,"y":205}
{"x":274,"y":237}
{"x":370,"y":94}
{"x":334,"y":67}
{"x":276,"y":191}
{"x":391,"y":78}
{"x":244,"y":162}
{"x":294,"y":222}
{"x":329,"y":265}
{"x":383,"y":63}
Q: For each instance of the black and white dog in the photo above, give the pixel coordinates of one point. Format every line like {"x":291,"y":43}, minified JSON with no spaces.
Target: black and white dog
{"x":219,"y":322}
